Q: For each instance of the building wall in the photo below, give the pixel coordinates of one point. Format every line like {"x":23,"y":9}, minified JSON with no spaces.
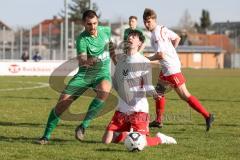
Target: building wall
{"x":201,"y":60}
{"x":209,"y":61}
{"x":7,"y":36}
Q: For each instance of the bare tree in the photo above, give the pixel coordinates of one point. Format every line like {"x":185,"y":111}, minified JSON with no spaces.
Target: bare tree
{"x":186,"y":23}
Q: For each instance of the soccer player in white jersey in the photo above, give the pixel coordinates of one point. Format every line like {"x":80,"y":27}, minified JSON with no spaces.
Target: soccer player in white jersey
{"x":164,"y":41}
{"x":132,"y":82}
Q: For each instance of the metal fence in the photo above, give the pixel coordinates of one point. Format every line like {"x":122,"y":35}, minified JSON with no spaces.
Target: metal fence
{"x":232,"y":60}
{"x":47,"y":40}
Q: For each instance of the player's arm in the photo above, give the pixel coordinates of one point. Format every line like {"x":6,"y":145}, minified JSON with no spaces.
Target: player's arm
{"x":111,"y":45}
{"x":112,"y":52}
{"x":156,"y":56}
{"x":150,"y":90}
{"x":176,"y":41}
{"x":83,"y":58}
{"x":86,"y":61}
{"x":159,"y":55}
{"x":142,"y":47}
{"x":147,"y":82}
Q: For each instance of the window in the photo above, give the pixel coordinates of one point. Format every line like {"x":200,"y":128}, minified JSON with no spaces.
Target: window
{"x":197,"y":57}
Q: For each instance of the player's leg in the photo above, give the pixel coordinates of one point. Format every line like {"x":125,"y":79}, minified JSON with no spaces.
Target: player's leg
{"x":102,"y":89}
{"x":164,"y":139}
{"x":107,"y":137}
{"x":54,"y":117}
{"x":159,"y":104}
{"x":191,"y":100}
{"x":116,"y":129}
{"x":114,"y":137}
{"x":159,"y":110}
{"x":195,"y":104}
{"x":158,"y":139}
{"x":102,"y":86}
{"x":139,"y":123}
{"x":74,"y":89}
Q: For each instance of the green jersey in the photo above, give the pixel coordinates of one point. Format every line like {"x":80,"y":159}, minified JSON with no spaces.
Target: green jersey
{"x":95,"y":46}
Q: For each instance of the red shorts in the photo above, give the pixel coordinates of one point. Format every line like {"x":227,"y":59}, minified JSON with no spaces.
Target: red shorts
{"x":175,"y":80}
{"x":122,"y":122}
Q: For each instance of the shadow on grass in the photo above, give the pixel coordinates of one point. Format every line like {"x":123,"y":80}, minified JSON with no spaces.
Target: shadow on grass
{"x":91,"y":142}
{"x":27,"y":97}
{"x":99,"y":127}
{"x":32,"y":125}
{"x":201,"y":124}
{"x":209,"y":100}
{"x":31,"y":140}
{"x":21,"y":124}
{"x":110,"y":150}
{"x":174,"y":99}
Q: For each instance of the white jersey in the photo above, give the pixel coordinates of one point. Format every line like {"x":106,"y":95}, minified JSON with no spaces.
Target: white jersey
{"x":161,"y":42}
{"x":128,"y":82}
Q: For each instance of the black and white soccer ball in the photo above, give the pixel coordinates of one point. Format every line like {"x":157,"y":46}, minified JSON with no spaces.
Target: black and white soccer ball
{"x":135,"y":141}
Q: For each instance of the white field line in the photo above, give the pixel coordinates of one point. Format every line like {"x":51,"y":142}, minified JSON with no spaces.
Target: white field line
{"x":39,"y":85}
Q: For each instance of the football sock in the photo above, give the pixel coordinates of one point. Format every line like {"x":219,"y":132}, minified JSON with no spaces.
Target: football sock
{"x":52,"y":122}
{"x":160,"y":104}
{"x":93,"y":109}
{"x":195,"y":104}
{"x":153,"y":141}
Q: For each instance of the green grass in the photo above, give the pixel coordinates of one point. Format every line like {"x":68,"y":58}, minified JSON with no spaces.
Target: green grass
{"x":24,"y":114}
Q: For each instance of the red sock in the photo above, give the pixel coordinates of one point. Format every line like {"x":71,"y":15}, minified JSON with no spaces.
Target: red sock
{"x":121,"y":137}
{"x":195,"y":104}
{"x":153,"y":141}
{"x":160,"y":104}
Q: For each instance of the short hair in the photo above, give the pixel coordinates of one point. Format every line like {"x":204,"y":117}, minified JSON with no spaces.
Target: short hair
{"x":132,"y":17}
{"x":149,"y":13}
{"x":89,"y":14}
{"x":137,"y":33}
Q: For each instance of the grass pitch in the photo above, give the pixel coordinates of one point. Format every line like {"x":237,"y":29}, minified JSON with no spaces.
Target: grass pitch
{"x":25,"y":103}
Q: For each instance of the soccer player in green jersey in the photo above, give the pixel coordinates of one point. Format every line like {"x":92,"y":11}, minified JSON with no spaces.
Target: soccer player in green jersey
{"x":94,"y":72}
{"x":132,"y":21}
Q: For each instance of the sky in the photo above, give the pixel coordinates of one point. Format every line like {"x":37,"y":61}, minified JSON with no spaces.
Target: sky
{"x":26,"y":13}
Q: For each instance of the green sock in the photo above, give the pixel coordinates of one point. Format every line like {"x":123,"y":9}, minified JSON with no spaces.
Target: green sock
{"x":93,"y":109}
{"x":52,"y":122}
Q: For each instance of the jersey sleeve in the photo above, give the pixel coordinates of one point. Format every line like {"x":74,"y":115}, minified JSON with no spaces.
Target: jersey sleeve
{"x":170,"y":34}
{"x":126,"y":31}
{"x":147,"y":78}
{"x":81,"y":45}
{"x":106,"y":30}
{"x":156,"y":39}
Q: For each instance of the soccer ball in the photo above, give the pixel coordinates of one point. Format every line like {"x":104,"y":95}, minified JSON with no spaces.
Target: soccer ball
{"x":135,"y":141}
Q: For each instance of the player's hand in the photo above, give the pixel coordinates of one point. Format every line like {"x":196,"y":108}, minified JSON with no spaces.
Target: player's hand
{"x":156,"y":96}
{"x":160,"y":55}
{"x":91,"y":61}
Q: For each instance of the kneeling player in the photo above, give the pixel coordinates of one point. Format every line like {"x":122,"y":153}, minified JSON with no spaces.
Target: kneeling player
{"x":132,"y":81}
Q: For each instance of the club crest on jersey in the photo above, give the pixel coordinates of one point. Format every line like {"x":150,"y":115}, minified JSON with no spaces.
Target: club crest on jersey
{"x":125,"y":72}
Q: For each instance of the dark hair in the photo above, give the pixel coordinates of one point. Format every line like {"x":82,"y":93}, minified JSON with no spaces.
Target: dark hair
{"x":149,"y":13}
{"x":89,"y":14}
{"x":137,"y":33}
{"x":132,"y":17}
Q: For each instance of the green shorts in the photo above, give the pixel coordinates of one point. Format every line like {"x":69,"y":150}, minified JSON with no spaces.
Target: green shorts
{"x":87,"y":78}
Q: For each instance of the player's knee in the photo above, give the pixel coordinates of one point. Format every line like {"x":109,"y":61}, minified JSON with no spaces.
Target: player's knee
{"x":184,"y":97}
{"x":102,"y":95}
{"x":106,"y":140}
